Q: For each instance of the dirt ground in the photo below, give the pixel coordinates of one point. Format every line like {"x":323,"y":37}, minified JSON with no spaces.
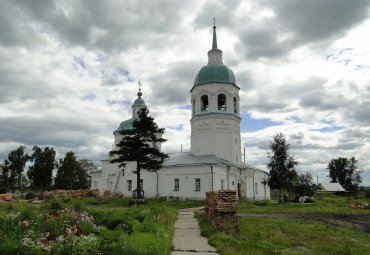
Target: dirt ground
{"x":361,"y":222}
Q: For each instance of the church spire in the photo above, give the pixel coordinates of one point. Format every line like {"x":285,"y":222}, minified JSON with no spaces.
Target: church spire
{"x":214,"y":55}
{"x":214,"y":42}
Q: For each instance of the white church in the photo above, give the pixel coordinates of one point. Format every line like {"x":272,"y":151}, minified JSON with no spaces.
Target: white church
{"x":214,"y":161}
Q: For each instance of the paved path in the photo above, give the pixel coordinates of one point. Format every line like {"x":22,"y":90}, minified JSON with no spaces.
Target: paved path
{"x":187,"y":239}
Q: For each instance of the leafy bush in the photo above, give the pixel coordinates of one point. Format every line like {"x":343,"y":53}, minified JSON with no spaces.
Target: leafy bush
{"x":67,"y":198}
{"x":30,"y":195}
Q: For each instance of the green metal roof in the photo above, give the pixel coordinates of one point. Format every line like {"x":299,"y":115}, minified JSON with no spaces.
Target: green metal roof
{"x":126,"y":124}
{"x":215,"y":73}
{"x":139,"y":101}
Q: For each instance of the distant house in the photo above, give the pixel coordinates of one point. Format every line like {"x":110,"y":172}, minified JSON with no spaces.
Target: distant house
{"x":331,"y":188}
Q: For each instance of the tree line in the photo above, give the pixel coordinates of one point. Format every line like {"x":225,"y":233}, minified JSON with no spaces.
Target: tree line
{"x":71,"y":173}
{"x":284,"y":177}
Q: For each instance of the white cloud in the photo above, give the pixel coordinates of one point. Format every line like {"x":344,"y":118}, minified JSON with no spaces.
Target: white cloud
{"x":69,"y":70}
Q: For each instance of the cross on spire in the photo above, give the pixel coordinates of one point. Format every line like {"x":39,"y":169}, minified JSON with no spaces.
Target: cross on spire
{"x":139,"y":93}
{"x":214,"y":41}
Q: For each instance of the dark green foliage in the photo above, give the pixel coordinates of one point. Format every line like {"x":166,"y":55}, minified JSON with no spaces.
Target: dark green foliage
{"x":70,"y":174}
{"x":30,"y":195}
{"x":345,"y":172}
{"x":11,"y":175}
{"x":303,"y":185}
{"x":281,"y":165}
{"x":40,"y":173}
{"x":138,"y":144}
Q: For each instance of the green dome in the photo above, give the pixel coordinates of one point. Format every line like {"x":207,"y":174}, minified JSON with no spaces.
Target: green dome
{"x":139,"y":102}
{"x":126,"y":124}
{"x":129,"y":124}
{"x":214,"y":73}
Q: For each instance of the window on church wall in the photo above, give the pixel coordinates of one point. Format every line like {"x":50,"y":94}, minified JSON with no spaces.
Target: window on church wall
{"x":204,"y":106}
{"x":176,"y":184}
{"x":235,"y":108}
{"x":221,"y":102}
{"x":129,"y":185}
{"x":194,"y":106}
{"x":197,"y":184}
{"x":222,"y":184}
{"x":141,"y":184}
{"x":256,"y":188}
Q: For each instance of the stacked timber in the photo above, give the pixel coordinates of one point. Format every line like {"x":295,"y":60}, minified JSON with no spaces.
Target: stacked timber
{"x":221,"y":210}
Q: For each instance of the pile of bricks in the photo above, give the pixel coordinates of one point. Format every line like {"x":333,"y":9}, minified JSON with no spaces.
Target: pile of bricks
{"x":77,"y":194}
{"x":221,"y":210}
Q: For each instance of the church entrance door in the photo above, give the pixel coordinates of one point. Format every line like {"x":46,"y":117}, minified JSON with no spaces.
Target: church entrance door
{"x":239,"y":190}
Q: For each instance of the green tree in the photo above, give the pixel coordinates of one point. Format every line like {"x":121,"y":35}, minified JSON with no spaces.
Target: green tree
{"x":13,"y":168}
{"x":3,"y":175}
{"x":139,"y":145}
{"x":303,"y":185}
{"x":70,"y":174}
{"x":40,"y":173}
{"x":88,"y":166}
{"x":345,"y":172}
{"x":281,"y":165}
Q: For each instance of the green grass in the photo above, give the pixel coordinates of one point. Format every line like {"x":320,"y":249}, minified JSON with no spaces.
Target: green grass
{"x":325,"y":204}
{"x":276,"y":236}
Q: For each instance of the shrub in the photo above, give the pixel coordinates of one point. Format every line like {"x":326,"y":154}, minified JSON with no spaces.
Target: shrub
{"x":67,"y":198}
{"x":30,"y":195}
{"x":3,"y":189}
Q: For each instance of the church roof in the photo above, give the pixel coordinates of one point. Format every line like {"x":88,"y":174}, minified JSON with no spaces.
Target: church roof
{"x":186,"y":159}
{"x":139,"y":101}
{"x":126,"y":124}
{"x":214,"y":73}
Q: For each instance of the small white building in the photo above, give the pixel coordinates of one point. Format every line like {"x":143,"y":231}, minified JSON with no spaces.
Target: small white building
{"x":214,"y":162}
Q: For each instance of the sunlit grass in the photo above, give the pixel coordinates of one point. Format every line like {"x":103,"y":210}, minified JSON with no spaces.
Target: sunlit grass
{"x":328,"y":204}
{"x":277,"y":236}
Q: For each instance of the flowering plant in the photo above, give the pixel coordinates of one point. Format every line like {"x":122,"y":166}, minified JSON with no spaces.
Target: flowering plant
{"x":65,"y":231}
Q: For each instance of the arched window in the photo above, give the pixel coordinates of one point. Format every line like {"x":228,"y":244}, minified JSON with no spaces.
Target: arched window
{"x":221,"y":102}
{"x":204,"y":105}
{"x":235,"y":108}
{"x":194,"y":106}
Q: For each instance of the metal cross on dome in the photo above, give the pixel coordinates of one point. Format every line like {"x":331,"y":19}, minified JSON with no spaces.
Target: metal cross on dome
{"x":139,"y":82}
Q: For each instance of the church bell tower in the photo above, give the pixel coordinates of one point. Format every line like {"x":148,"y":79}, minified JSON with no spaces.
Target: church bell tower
{"x":215,"y":122}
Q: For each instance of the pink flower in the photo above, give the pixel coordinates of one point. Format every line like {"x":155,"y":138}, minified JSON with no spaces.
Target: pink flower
{"x":43,"y":240}
{"x":25,"y":223}
{"x":74,"y":229}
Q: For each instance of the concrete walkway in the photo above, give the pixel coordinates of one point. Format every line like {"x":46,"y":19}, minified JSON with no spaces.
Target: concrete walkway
{"x":187,"y":239}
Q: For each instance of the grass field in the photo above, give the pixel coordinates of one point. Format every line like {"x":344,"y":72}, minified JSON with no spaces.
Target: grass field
{"x":268,"y":235}
{"x":276,"y":236}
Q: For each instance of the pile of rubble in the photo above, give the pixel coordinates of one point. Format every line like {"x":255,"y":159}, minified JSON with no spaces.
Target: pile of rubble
{"x":221,"y":210}
{"x":77,"y":194}
{"x":359,"y":206}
